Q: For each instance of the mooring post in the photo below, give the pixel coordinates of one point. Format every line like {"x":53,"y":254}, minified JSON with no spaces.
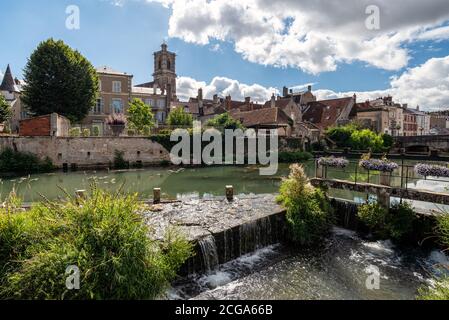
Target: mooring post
{"x":230,"y":193}
{"x":156,"y":195}
{"x":80,"y":195}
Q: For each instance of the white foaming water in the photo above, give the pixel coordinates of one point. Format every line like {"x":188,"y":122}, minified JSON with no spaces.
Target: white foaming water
{"x":382,"y":246}
{"x":345,"y":233}
{"x":229,"y":271}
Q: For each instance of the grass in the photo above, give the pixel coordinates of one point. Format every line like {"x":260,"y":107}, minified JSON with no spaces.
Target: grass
{"x":103,"y":235}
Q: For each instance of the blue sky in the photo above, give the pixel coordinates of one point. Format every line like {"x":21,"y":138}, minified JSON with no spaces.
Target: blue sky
{"x":124,"y":37}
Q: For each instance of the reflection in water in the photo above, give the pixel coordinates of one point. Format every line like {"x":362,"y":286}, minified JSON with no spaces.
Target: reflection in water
{"x":337,"y":270}
{"x":199,"y":182}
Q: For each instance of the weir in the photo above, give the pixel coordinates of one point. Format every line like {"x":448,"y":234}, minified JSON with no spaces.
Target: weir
{"x":223,"y":231}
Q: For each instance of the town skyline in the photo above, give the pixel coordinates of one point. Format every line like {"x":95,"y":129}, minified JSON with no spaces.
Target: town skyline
{"x":217,"y":67}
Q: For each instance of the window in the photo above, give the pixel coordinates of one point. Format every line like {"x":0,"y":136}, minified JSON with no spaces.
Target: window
{"x":116,"y":86}
{"x":117,"y":105}
{"x":98,"y":108}
{"x":149,"y":102}
{"x":161,"y":104}
{"x":99,"y":85}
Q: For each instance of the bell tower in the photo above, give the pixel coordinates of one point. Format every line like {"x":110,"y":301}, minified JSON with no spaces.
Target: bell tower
{"x":165,"y":72}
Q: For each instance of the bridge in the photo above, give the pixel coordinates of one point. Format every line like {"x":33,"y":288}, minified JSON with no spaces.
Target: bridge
{"x":423,"y":143}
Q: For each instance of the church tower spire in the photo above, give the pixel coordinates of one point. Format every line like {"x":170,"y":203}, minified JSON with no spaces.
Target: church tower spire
{"x":165,"y":71}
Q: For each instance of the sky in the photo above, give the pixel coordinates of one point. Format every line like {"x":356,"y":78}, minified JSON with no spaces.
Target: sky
{"x":252,"y":47}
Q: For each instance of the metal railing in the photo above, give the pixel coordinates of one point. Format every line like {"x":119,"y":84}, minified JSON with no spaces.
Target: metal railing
{"x":400,"y":177}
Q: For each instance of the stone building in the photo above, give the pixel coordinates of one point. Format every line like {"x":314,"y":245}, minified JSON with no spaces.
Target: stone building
{"x":11,"y":89}
{"x":381,"y":115}
{"x":410,"y":124}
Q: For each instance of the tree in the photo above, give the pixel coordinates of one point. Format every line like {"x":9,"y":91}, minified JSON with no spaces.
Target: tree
{"x":59,"y":79}
{"x":224,"y":121}
{"x":5,"y":110}
{"x":179,"y":117}
{"x":140,"y":115}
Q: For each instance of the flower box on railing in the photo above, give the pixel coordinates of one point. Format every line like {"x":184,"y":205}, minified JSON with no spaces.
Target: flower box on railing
{"x":333,"y":162}
{"x":430,"y":170}
{"x":378,"y":165}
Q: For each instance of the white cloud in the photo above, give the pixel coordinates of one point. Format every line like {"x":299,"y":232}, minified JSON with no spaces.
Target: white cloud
{"x":311,"y":35}
{"x":426,"y":85}
{"x":188,"y":87}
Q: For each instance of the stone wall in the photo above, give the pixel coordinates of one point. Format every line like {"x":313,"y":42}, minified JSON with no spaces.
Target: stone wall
{"x":91,"y":151}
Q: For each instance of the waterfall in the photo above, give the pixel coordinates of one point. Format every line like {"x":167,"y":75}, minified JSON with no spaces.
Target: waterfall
{"x":209,"y":253}
{"x":255,"y":235}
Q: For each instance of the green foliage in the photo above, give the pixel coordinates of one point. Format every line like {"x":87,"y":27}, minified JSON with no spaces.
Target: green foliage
{"x":290,"y":157}
{"x":131,"y":132}
{"x":119,"y":161}
{"x":400,"y":220}
{"x":86,"y":133}
{"x":352,"y":136}
{"x":308,"y":211}
{"x":103,"y":235}
{"x":224,"y":121}
{"x":440,"y":291}
{"x":75,"y":132}
{"x":164,"y":140}
{"x":146,"y":131}
{"x":95,"y":131}
{"x":388,"y":140}
{"x":5,"y":110}
{"x":59,"y":79}
{"x":395,"y":223}
{"x":140,"y":115}
{"x":15,"y":161}
{"x":179,"y":118}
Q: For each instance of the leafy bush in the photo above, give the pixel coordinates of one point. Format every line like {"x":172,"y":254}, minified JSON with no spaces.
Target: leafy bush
{"x":353,"y":137}
{"x":140,"y":115}
{"x":102,"y":235}
{"x":119,"y":161}
{"x":440,"y":290}
{"x":86,"y":133}
{"x":75,"y":132}
{"x":224,"y":121}
{"x":308,"y":211}
{"x":95,"y":131}
{"x":290,"y":157}
{"x":395,"y":223}
{"x":16,"y":161}
{"x":146,"y":131}
{"x":179,"y":118}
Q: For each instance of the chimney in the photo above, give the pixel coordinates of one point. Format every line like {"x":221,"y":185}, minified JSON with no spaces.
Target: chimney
{"x":285,"y":92}
{"x":200,"y":94}
{"x":417,"y":108}
{"x":228,"y":102}
{"x":355,"y":98}
{"x":273,"y":101}
{"x":309,"y":88}
{"x":215,"y":98}
{"x":405,"y":106}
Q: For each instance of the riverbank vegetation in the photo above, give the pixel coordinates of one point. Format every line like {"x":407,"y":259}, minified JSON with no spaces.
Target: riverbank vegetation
{"x":440,"y":289}
{"x":309,"y":214}
{"x":295,"y":156}
{"x":23,"y":162}
{"x":355,"y":137}
{"x":102,"y":235}
{"x":395,"y":223}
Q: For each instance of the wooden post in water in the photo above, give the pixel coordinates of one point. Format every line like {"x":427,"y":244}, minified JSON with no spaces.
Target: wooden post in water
{"x":157,"y":195}
{"x":80,"y":195}
{"x":230,"y":193}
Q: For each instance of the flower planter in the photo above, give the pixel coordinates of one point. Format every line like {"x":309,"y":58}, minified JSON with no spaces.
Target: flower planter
{"x":427,"y":170}
{"x":117,"y":130}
